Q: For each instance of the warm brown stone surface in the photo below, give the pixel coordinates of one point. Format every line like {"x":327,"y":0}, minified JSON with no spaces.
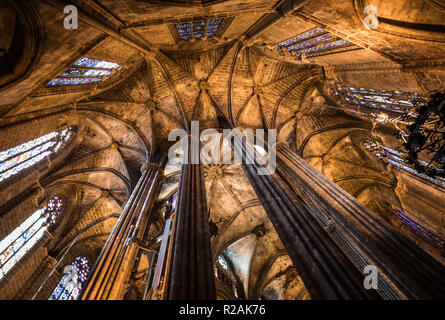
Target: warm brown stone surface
{"x":164,"y":83}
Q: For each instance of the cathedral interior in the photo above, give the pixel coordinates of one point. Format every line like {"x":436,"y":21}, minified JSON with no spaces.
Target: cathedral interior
{"x":92,"y":208}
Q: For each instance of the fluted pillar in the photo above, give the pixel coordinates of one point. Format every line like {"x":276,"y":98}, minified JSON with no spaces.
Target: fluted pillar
{"x":111,"y":272}
{"x":191,"y":272}
{"x":326,"y":271}
{"x":405,"y":271}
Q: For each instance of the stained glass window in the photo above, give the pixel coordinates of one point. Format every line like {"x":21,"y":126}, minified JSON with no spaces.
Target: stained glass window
{"x":222,"y":262}
{"x":396,"y":101}
{"x":54,"y":208}
{"x":212,"y":26}
{"x":197,"y":29}
{"x":310,"y":42}
{"x":14,"y":246}
{"x":16,"y":159}
{"x":184,"y":30}
{"x":226,"y":276}
{"x":94,"y":63}
{"x":71,"y":283}
{"x":398,"y":159}
{"x":83,"y":71}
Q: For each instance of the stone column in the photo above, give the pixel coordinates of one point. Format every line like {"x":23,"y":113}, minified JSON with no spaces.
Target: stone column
{"x":191,"y":268}
{"x":111,"y":272}
{"x":326,"y":271}
{"x":405,"y":271}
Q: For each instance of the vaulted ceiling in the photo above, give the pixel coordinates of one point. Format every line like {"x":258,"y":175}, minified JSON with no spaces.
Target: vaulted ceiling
{"x":164,"y":83}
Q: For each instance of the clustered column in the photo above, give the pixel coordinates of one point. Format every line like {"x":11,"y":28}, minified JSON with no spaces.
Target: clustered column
{"x":416,"y":274}
{"x":112,"y":270}
{"x":326,"y":271}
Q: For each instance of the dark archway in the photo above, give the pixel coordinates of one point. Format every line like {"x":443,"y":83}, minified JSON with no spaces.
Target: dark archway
{"x":21,"y":42}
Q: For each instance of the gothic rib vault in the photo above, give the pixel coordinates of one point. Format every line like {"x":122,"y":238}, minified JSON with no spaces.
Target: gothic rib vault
{"x":163,"y":83}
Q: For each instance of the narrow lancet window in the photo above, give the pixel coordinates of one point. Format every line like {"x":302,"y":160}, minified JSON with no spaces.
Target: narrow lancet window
{"x":72,"y":281}
{"x":14,"y":246}
{"x":19,"y":158}
{"x":310,"y":42}
{"x":395,"y":101}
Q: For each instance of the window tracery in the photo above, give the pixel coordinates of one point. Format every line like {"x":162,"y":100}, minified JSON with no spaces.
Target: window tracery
{"x":399,"y":159}
{"x":310,"y":42}
{"x":72,"y":281}
{"x":198,"y":29}
{"x":395,"y":101}
{"x":84,"y":71}
{"x":14,"y":246}
{"x":21,"y":157}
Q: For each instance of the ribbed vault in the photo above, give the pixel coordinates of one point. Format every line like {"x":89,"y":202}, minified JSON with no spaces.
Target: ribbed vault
{"x":163,"y":84}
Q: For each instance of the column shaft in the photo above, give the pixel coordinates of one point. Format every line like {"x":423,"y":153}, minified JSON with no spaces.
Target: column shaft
{"x":191,"y":273}
{"x":416,"y":274}
{"x":326,"y":271}
{"x":111,"y":272}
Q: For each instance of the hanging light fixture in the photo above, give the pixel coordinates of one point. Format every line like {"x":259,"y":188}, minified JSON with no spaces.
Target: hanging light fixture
{"x":426,"y":140}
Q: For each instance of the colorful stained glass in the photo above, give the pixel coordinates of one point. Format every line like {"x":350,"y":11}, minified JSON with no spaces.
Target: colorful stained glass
{"x":70,"y":81}
{"x":184,"y":30}
{"x":5,"y":175}
{"x":26,"y":146}
{"x":27,"y":154}
{"x":24,"y":156}
{"x":84,"y":71}
{"x":397,"y":159}
{"x":197,"y":29}
{"x":312,"y":41}
{"x":302,"y":36}
{"x":396,"y":101}
{"x":212,"y":26}
{"x":54,"y":209}
{"x":14,"y":246}
{"x":94,"y":63}
{"x":71,"y":283}
{"x":326,"y":46}
{"x":81,"y":72}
